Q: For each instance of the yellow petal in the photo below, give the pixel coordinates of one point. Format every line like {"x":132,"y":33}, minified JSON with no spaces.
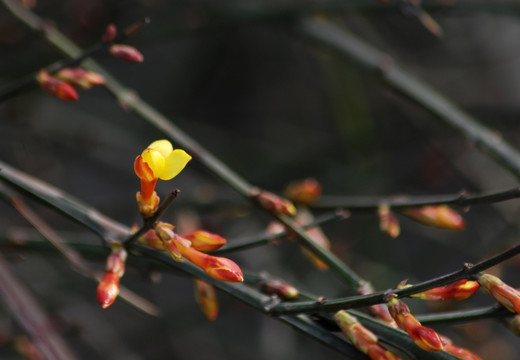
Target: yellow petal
{"x":175,"y":162}
{"x":155,"y":161}
{"x":162,"y":146}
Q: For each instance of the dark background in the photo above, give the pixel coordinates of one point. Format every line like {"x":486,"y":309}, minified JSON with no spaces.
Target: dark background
{"x":275,"y":107}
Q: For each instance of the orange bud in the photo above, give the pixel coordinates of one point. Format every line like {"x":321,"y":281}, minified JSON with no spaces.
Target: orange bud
{"x":424,"y":337}
{"x":458,"y":351}
{"x":275,"y":287}
{"x":206,"y":297}
{"x":205,"y":241}
{"x":274,"y":203}
{"x":110,"y":33}
{"x":304,"y":192}
{"x":56,"y":87}
{"x":126,"y":53}
{"x":388,"y":222}
{"x":81,"y":78}
{"x":380,"y":311}
{"x":506,"y":295}
{"x":459,"y":290}
{"x":165,"y":232}
{"x":440,"y":216}
{"x":108,"y":289}
{"x":219,"y":268}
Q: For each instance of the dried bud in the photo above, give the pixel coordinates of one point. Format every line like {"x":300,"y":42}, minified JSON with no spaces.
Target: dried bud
{"x":388,"y":222}
{"x":205,"y":241}
{"x":108,"y":289}
{"x":440,"y":216}
{"x":56,"y":87}
{"x":506,"y":295}
{"x":274,"y":203}
{"x":304,"y":192}
{"x":126,"y":53}
{"x":275,"y":287}
{"x":424,"y":337}
{"x":457,"y":350}
{"x":206,"y":297}
{"x":459,"y":290}
{"x":110,"y":33}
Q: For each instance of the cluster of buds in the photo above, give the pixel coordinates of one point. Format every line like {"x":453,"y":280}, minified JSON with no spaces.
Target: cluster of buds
{"x":380,"y":311}
{"x":59,"y":88}
{"x":279,"y":288}
{"x":180,"y":248}
{"x":506,"y":295}
{"x":424,"y":337}
{"x":206,"y":297}
{"x":458,"y":290}
{"x":272,"y":202}
{"x":439,"y":216}
{"x":63,"y":83}
{"x":388,"y":222}
{"x":108,"y":288}
{"x":158,"y":161}
{"x":123,"y":52}
{"x":304,"y":192}
{"x":362,"y":338}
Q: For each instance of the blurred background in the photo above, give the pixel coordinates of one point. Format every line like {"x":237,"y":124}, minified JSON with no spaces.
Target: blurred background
{"x":241,"y":79}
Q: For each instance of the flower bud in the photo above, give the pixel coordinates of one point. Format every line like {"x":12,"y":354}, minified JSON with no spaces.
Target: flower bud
{"x":274,"y":203}
{"x":304,"y":192}
{"x":205,"y":241}
{"x":276,"y":287}
{"x":165,"y":232}
{"x":459,"y":290}
{"x":380,"y":311}
{"x":126,"y":53}
{"x":206,"y":297}
{"x":424,"y":337}
{"x":457,"y":350}
{"x":81,"y":78}
{"x":440,"y":216}
{"x":56,"y":87}
{"x":506,"y":295}
{"x":108,"y":289}
{"x":110,"y":33}
{"x":388,"y":222}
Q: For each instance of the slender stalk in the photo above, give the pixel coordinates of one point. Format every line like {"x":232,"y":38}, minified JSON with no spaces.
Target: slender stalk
{"x":488,"y":312}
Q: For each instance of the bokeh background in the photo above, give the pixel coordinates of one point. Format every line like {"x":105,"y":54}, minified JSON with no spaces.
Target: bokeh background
{"x":275,"y":107}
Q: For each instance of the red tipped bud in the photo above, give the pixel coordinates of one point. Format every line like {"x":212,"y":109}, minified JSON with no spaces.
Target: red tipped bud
{"x":108,"y":289}
{"x":457,"y":350}
{"x":304,"y":192}
{"x":440,"y":216}
{"x":274,"y":203}
{"x":424,"y":337}
{"x":388,"y":222}
{"x":459,"y":290}
{"x":206,"y":297}
{"x":110,"y":33}
{"x":219,"y":268}
{"x":205,"y":241}
{"x":506,"y":295}
{"x":81,"y":78}
{"x":126,"y":53}
{"x":275,"y":287}
{"x":165,"y":232}
{"x":56,"y":87}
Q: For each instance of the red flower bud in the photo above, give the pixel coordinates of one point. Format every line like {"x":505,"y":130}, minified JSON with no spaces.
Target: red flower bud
{"x":205,"y":241}
{"x":440,"y":216}
{"x":56,"y":87}
{"x":459,"y":290}
{"x":126,"y":53}
{"x":388,"y":222}
{"x":276,"y":287}
{"x":206,"y":297}
{"x":304,"y":192}
{"x":506,"y":295}
{"x":81,"y":78}
{"x":108,"y":289}
{"x":457,"y":350}
{"x":110,"y":33}
{"x":274,"y":203}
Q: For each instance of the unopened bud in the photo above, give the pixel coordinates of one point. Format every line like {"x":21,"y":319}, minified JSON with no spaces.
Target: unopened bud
{"x":459,"y":290}
{"x":110,"y":33}
{"x":304,"y":192}
{"x":165,"y":232}
{"x":80,"y":77}
{"x":506,"y":295}
{"x":457,"y":350}
{"x":108,"y":289}
{"x":147,"y":206}
{"x":276,"y":287}
{"x":126,"y":53}
{"x":274,"y":202}
{"x":440,"y":216}
{"x":219,"y":268}
{"x":205,"y":241}
{"x":388,"y":222}
{"x":206,"y":297}
{"x":56,"y":87}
